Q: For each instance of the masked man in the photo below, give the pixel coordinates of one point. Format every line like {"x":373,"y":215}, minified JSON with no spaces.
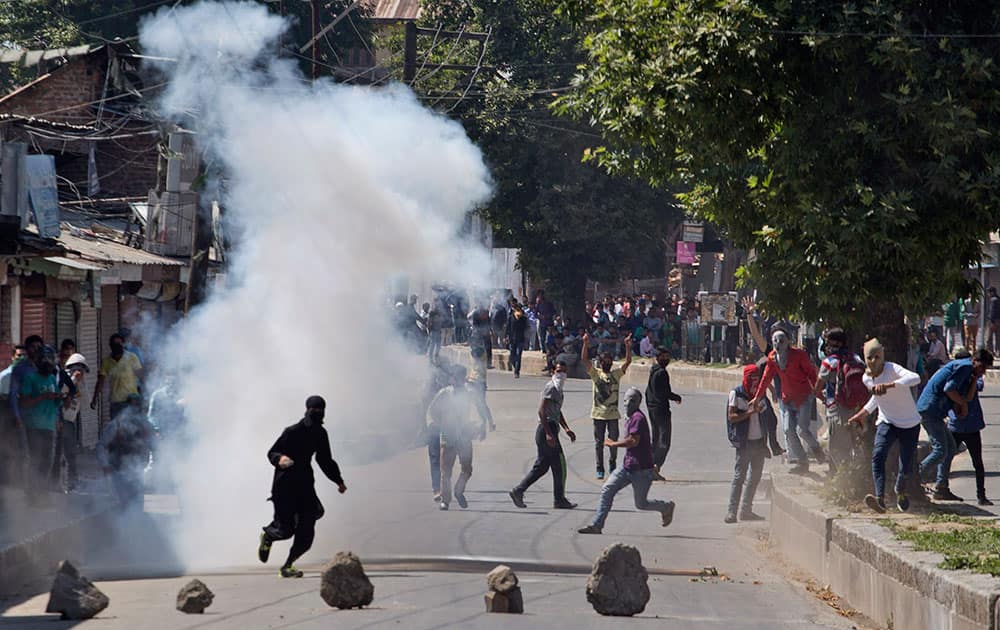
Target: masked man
{"x":797,"y":376}
{"x":659,"y":395}
{"x":293,"y":492}
{"x":449,"y":416}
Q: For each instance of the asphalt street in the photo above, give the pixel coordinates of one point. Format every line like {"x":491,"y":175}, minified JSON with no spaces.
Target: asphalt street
{"x":428,"y":566}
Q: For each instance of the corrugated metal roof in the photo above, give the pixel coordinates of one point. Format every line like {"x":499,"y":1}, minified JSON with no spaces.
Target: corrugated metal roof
{"x":396,"y":10}
{"x":106,"y":252}
{"x":28,"y":58}
{"x":75,"y":263}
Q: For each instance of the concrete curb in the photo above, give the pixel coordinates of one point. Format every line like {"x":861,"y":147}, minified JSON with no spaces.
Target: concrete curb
{"x":24,"y":563}
{"x":882,"y":577}
{"x":681,"y":376}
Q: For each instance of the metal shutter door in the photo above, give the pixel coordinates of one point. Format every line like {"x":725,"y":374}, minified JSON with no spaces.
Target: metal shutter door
{"x":65,"y":324}
{"x":32,"y":317}
{"x":88,"y":343}
{"x":109,"y":326}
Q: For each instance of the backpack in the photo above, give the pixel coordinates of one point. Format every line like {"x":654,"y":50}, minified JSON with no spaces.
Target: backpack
{"x":851,"y":392}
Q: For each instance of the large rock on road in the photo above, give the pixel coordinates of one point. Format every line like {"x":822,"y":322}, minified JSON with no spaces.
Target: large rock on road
{"x":73,"y":595}
{"x":344,"y":583}
{"x":618,"y":584}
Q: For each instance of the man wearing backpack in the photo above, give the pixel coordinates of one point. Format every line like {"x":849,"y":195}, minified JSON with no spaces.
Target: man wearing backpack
{"x":841,"y":386}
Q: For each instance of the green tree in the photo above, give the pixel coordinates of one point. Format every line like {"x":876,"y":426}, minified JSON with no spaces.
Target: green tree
{"x":571,"y":221}
{"x":851,"y":146}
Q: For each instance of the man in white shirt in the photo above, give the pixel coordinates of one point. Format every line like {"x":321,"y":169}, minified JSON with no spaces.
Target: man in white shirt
{"x":647,"y":347}
{"x":898,"y":419}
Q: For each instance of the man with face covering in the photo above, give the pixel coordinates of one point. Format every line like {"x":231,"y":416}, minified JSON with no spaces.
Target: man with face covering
{"x":550,"y":455}
{"x":797,"y":376}
{"x":658,"y":398}
{"x":637,"y":469}
{"x":121,"y":370}
{"x":898,"y":420}
{"x":293,"y":492}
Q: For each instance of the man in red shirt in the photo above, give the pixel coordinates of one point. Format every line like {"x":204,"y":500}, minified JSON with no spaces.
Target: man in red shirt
{"x":797,"y":375}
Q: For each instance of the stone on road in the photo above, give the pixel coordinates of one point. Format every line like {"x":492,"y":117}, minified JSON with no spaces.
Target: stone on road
{"x":617,"y":585}
{"x":501,"y":579}
{"x":73,"y":595}
{"x":344,"y":583}
{"x":194,"y":597}
{"x":504,"y":595}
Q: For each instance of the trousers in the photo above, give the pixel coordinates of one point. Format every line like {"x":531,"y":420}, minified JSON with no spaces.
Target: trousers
{"x":295,"y":515}
{"x":463,"y":451}
{"x":661,"y":430}
{"x":549,"y":458}
{"x":640,"y":480}
{"x":602,"y":428}
{"x":749,"y":458}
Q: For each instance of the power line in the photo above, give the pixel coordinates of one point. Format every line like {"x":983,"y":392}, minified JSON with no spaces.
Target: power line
{"x":124,"y":12}
{"x":871,"y":35}
{"x":475,"y":73}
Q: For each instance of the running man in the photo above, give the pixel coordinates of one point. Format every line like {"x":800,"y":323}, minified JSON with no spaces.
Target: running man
{"x":550,"y":454}
{"x":293,"y":492}
{"x":636,"y":470}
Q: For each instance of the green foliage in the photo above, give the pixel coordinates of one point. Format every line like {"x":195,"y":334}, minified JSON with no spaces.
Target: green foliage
{"x":571,"y":221}
{"x":856,"y":158}
{"x":973,"y":544}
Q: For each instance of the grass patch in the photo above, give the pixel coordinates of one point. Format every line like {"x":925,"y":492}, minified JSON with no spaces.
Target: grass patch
{"x":965,"y":543}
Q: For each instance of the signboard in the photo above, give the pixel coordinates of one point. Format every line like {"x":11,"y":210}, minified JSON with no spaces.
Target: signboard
{"x":693,"y":231}
{"x":40,"y":176}
{"x":685,"y":253}
{"x":718,"y":308}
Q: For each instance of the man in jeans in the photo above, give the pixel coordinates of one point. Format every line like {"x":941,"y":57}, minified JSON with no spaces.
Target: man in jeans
{"x":797,"y":376}
{"x":748,"y":434}
{"x":604,"y":411}
{"x":947,"y":389}
{"x":636,"y":470}
{"x":517,"y":327}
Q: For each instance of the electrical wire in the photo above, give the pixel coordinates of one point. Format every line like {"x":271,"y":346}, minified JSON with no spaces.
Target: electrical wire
{"x":475,"y":73}
{"x":447,"y":58}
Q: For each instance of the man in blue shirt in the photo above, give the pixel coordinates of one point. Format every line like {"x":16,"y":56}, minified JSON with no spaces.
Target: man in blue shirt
{"x":946,"y":390}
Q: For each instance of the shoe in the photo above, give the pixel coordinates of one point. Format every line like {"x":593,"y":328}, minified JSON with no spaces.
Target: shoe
{"x":443,"y":507}
{"x":589,"y":529}
{"x":437,"y":497}
{"x":517,"y":375}
{"x":517,"y":498}
{"x":800,"y":468}
{"x":264,"y":548}
{"x":875,"y":503}
{"x":493,"y":427}
{"x":290,"y":572}
{"x":730,"y":518}
{"x":600,"y":474}
{"x":902,"y":502}
{"x":819,"y":455}
{"x":667,"y":515}
{"x":945,"y":494}
{"x":982,"y":500}
{"x":777,"y":451}
{"x":563,"y":505}
{"x":460,"y":499}
{"x":748,"y":515}
{"x":658,"y":477}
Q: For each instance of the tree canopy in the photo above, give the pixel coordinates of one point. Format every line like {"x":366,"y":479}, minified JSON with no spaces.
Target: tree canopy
{"x":851,"y":146}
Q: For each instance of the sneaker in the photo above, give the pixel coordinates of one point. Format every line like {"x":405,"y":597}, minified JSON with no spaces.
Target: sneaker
{"x":984,"y":501}
{"x":667,"y":515}
{"x":589,"y":529}
{"x":493,"y":427}
{"x":875,"y":503}
{"x":460,"y":499}
{"x":437,"y":497}
{"x":264,"y":548}
{"x":658,"y":477}
{"x":563,"y":505}
{"x":800,"y":468}
{"x":945,"y":494}
{"x":819,"y":455}
{"x":902,"y":502}
{"x":290,"y":572}
{"x":730,"y":518}
{"x":517,"y":498}
{"x":600,"y":474}
{"x":748,"y":515}
{"x":443,"y":507}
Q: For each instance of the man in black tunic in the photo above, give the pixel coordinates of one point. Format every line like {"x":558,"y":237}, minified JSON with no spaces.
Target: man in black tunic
{"x":293,"y":492}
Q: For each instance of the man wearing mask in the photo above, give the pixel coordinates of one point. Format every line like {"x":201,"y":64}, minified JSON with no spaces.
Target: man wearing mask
{"x":898,"y":420}
{"x":946,"y":390}
{"x":636,"y":470}
{"x":550,"y":454}
{"x":121,"y":370}
{"x":606,"y":380}
{"x":293,"y":491}
{"x":448,"y":414}
{"x":797,"y":376}
{"x":658,"y":398}
{"x":40,"y":400}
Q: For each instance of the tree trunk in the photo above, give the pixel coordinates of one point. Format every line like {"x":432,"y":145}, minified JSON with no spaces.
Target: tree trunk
{"x":884,"y":319}
{"x":573,"y":298}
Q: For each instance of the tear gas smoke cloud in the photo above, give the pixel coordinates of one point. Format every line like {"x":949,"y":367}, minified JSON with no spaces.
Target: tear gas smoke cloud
{"x":333,"y":190}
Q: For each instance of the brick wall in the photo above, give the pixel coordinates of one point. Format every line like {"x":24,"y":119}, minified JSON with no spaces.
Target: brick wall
{"x":68,"y":87}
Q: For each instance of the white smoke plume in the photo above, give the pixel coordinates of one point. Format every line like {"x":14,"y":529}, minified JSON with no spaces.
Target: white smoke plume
{"x":334,"y":190}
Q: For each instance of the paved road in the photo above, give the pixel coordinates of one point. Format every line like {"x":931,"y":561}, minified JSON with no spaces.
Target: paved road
{"x":388,"y":514}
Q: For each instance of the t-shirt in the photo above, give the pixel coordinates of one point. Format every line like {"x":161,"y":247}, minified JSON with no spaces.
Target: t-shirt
{"x":952,"y":377}
{"x":44,"y":414}
{"x":605,"y":392}
{"x":449,"y":414}
{"x":478,"y":372}
{"x":741,"y":404}
{"x":896,"y":405}
{"x":640,"y":456}
{"x":123,"y":376}
{"x":972,"y":421}
{"x":552,"y":393}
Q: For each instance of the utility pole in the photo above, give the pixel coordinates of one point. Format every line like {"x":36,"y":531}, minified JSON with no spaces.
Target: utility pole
{"x":410,"y":53}
{"x":315,"y":33}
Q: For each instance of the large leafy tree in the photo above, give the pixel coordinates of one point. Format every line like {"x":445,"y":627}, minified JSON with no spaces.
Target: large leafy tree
{"x":852,"y":146}
{"x":571,"y":221}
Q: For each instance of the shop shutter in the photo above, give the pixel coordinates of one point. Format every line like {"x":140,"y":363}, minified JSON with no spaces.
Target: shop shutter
{"x":50,"y":324}
{"x":88,"y":343}
{"x":109,"y":326}
{"x":32,"y":317}
{"x":65,"y":324}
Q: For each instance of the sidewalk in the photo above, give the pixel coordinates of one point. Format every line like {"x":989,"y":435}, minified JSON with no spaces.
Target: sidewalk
{"x":34,"y":536}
